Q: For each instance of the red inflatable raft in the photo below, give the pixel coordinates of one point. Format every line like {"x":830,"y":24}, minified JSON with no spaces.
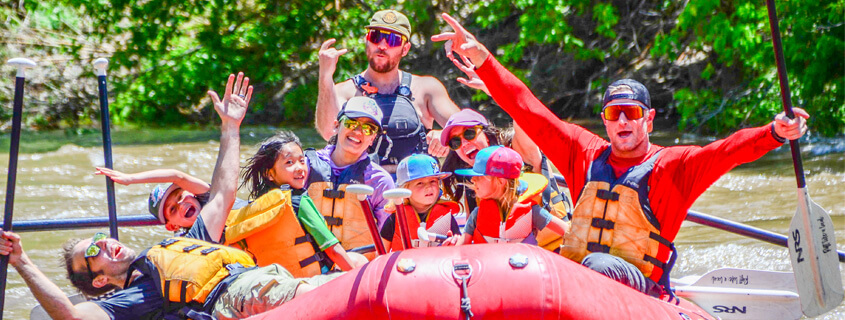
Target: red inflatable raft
{"x":505,"y":281}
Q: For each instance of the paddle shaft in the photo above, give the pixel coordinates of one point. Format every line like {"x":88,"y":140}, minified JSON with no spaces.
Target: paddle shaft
{"x":14,"y":146}
{"x":371,"y":224}
{"x":743,"y":229}
{"x":402,"y":224}
{"x":107,"y":155}
{"x":785,"y":95}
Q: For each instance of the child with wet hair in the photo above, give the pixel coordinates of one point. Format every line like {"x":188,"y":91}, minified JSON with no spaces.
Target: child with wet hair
{"x":279,"y":169}
{"x":424,"y":209}
{"x":509,"y":208}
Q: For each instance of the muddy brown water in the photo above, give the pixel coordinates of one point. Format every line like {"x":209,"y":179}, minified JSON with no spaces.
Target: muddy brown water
{"x":61,"y":184}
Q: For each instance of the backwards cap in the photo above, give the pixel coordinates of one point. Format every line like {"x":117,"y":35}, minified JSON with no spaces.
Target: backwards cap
{"x":639,"y":96}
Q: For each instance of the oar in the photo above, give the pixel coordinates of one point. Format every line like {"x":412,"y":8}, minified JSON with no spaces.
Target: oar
{"x":100,"y":66}
{"x":743,"y":229}
{"x":812,"y":249}
{"x":398,"y":195}
{"x":362,"y":191}
{"x":743,"y":294}
{"x":17,"y":113}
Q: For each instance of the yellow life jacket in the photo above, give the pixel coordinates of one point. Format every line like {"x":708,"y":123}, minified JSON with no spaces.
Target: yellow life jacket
{"x":438,"y":220}
{"x":518,"y":225}
{"x":557,"y":203}
{"x":268,"y":229}
{"x":343,"y":212}
{"x":614,"y":216}
{"x":188,"y":269}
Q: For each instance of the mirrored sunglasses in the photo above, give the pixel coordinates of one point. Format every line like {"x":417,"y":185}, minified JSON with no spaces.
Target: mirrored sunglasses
{"x":632,"y":112}
{"x":393,"y":39}
{"x":93,"y":250}
{"x":469,"y":134}
{"x":366,"y":128}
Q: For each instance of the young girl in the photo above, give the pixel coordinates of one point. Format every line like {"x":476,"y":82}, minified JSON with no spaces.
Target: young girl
{"x":421,"y":174}
{"x":296,"y":241}
{"x":508,"y":204}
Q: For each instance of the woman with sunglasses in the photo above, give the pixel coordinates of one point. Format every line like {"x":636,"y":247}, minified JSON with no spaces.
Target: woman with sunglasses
{"x":632,"y":195}
{"x":468,"y":132}
{"x":410,"y":102}
{"x":343,"y":162}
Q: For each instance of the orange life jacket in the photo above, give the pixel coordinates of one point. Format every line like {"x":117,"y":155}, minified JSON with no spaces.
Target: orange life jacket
{"x":438,"y":220}
{"x":343,"y":212}
{"x":614,"y":216}
{"x":268,"y":229}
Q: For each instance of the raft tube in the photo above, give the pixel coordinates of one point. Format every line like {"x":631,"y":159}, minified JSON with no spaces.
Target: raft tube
{"x":508,"y":281}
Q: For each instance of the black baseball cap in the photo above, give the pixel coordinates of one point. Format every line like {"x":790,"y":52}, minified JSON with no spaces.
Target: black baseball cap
{"x":639,"y":96}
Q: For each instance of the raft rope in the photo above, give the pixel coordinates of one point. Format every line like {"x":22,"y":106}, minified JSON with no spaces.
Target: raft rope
{"x":464,"y":279}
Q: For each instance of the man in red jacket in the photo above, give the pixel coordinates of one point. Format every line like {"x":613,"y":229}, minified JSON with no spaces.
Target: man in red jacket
{"x":632,"y":195}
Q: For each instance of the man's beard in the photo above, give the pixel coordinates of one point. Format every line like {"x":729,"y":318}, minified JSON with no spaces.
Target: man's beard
{"x":388,"y":66}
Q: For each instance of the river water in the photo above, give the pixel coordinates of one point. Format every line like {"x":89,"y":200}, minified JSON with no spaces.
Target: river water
{"x":61,"y":184}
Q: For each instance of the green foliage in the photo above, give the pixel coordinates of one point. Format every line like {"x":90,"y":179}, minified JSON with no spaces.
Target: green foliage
{"x":708,"y":64}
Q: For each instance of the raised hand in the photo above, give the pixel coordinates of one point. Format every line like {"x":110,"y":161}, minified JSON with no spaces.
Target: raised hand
{"x":116,"y":176}
{"x":791,"y":129}
{"x":462,"y":42}
{"x":235,"y":99}
{"x":472,"y":80}
{"x":328,"y":58}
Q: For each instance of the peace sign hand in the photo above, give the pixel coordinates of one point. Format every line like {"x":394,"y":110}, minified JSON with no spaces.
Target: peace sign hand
{"x":462,"y":42}
{"x":235,"y":99}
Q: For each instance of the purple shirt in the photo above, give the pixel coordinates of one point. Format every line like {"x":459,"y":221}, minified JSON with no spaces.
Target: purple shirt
{"x":374,"y":176}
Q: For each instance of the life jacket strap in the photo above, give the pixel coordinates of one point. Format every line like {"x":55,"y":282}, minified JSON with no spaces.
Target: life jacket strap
{"x":333,"y":194}
{"x":191,"y":248}
{"x":597,"y":247}
{"x":166,"y":242}
{"x":602,"y":223}
{"x":607,"y":195}
{"x":300,"y":240}
{"x":312,"y":259}
{"x":206,"y":251}
{"x":332,"y":221}
{"x":661,"y":239}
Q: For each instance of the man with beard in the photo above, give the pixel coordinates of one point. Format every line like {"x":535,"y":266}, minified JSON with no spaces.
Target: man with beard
{"x":410,"y":103}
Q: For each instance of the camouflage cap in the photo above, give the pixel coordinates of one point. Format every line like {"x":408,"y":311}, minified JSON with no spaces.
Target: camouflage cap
{"x":391,"y":20}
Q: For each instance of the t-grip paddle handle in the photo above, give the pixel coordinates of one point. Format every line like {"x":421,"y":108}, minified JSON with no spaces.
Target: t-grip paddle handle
{"x":100,"y":66}
{"x":362,"y":191}
{"x":430,"y":236}
{"x":398,"y":195}
{"x":22,"y":64}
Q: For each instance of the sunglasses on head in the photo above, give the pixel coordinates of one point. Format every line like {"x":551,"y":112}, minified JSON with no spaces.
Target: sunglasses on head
{"x":631,"y":111}
{"x":366,"y":128}
{"x":469,"y":134}
{"x":93,"y":250}
{"x":393,"y":39}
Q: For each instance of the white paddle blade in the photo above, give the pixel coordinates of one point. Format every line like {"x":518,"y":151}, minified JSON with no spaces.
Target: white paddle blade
{"x":430,"y":236}
{"x":736,"y":303}
{"x":397,"y":194}
{"x":812,"y":251}
{"x":22,"y":64}
{"x":360,"y":190}
{"x":100,"y":66}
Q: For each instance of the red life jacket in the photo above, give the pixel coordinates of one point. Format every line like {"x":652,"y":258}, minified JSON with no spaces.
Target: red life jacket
{"x":518,"y":225}
{"x":438,"y":220}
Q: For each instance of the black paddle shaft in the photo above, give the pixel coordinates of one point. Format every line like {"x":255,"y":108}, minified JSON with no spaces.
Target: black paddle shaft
{"x":14,"y":145}
{"x":104,"y":118}
{"x":784,"y":90}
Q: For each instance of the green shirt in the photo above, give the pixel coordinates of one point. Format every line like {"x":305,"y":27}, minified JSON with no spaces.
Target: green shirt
{"x":313,"y":222}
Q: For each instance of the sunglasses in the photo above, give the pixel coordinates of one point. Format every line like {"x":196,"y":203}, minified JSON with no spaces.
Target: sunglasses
{"x":93,"y":250}
{"x":469,"y":134}
{"x":366,"y":128}
{"x":393,"y":39}
{"x":632,"y":112}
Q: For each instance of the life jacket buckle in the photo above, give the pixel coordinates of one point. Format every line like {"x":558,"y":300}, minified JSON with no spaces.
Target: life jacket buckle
{"x":333,"y":194}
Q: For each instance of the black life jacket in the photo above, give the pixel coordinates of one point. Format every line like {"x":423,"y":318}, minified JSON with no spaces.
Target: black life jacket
{"x":405,"y":130}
